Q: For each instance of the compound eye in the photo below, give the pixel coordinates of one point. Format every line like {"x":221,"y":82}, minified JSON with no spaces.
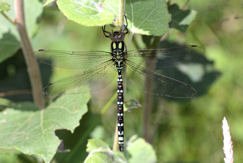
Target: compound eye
{"x":120,"y":45}
{"x":113,"y":45}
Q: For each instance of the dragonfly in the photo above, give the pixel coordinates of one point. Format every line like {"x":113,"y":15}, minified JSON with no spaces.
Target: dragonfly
{"x":118,"y":60}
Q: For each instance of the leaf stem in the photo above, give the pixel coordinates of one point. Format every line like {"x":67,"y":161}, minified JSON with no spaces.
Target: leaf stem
{"x":120,"y":19}
{"x":31,"y":62}
{"x":8,"y":18}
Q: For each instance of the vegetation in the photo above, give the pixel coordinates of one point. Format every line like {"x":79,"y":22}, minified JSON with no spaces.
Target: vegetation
{"x":78,"y":125}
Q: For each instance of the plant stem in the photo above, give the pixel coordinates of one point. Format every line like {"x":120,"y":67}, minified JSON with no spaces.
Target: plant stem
{"x":31,"y":62}
{"x":148,"y":100}
{"x":8,"y":18}
{"x":15,"y":92}
{"x":150,"y":63}
{"x":120,"y":18}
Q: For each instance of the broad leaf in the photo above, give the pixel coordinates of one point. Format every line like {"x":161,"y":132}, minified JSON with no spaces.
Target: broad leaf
{"x":31,"y":131}
{"x":140,"y":151}
{"x":148,"y":17}
{"x":96,"y":143}
{"x":89,"y":13}
{"x":145,"y":17}
{"x":8,"y":46}
{"x":100,"y":152}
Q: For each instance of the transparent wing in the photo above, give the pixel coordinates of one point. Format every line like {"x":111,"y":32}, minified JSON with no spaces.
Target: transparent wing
{"x":168,"y":57}
{"x":75,"y":68}
{"x":90,"y":66}
{"x":163,"y":85}
{"x":87,"y":59}
{"x":102,"y":72}
{"x":74,"y":59}
{"x":176,"y":50}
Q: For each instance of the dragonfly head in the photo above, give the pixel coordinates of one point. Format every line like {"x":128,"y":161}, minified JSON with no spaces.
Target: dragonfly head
{"x":117,"y":36}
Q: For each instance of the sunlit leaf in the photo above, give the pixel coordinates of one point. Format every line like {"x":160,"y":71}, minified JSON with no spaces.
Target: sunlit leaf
{"x":147,"y":17}
{"x":100,"y":152}
{"x":8,"y":46}
{"x":31,"y":131}
{"x":89,"y":13}
{"x":140,"y":151}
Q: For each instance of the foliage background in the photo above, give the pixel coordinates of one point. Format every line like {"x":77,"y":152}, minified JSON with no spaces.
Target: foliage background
{"x":188,"y":131}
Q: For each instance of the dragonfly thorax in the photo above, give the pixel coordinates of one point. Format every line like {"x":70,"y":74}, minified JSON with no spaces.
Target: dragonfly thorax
{"x":118,"y":52}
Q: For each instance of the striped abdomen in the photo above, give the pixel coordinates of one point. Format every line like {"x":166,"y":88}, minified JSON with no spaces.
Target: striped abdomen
{"x":120,"y":115}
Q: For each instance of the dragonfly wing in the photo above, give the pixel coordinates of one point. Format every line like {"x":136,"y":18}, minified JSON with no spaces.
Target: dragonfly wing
{"x":163,"y":85}
{"x":72,"y":59}
{"x":104,"y":71}
{"x":174,"y":51}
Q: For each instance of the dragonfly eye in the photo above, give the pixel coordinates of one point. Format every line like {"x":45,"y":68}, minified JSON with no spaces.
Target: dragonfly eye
{"x":113,"y":45}
{"x":120,"y":45}
{"x":117,"y":36}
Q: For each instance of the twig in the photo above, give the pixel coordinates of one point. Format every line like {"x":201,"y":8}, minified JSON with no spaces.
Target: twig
{"x":14,"y":92}
{"x":148,"y":100}
{"x":120,"y":19}
{"x":33,"y":68}
{"x":8,"y":18}
{"x":150,"y":63}
{"x":121,"y":11}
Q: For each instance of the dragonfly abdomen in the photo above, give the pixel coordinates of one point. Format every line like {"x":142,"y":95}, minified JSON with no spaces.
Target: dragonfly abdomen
{"x":120,"y":114}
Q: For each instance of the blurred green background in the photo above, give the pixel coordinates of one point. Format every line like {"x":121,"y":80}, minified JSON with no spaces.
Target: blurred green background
{"x":186,"y":131}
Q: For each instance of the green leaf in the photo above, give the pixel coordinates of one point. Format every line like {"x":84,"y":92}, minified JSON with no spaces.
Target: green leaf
{"x":10,"y":43}
{"x":100,"y":157}
{"x":100,"y":152}
{"x":140,"y":151}
{"x":31,"y":131}
{"x":8,"y":46}
{"x":147,"y":17}
{"x":76,"y":142}
{"x":89,"y":13}
{"x":96,"y":143}
{"x":4,"y":6}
